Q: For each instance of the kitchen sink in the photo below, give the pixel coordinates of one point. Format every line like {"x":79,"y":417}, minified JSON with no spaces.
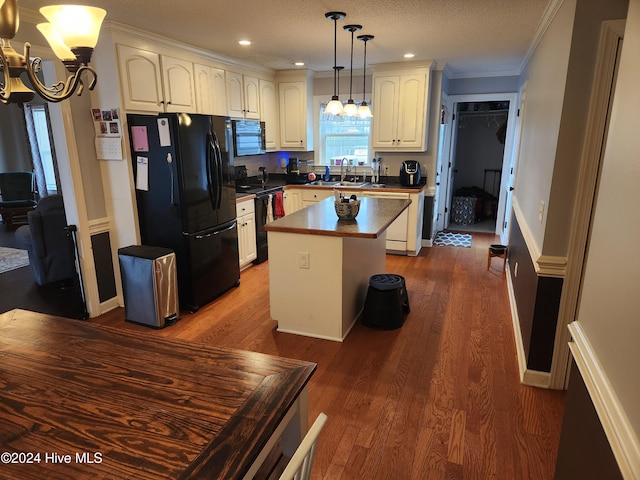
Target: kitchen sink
{"x":374,"y":185}
{"x":324,"y":183}
{"x":350,"y":184}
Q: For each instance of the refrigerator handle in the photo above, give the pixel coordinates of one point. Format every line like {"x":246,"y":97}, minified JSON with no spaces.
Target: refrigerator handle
{"x":219,"y":162}
{"x":212,"y":161}
{"x":213,"y":234}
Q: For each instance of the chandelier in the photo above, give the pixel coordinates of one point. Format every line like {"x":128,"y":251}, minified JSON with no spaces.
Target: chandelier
{"x":72,"y":33}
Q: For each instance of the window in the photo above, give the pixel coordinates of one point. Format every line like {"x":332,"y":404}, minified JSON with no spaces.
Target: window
{"x":343,"y":137}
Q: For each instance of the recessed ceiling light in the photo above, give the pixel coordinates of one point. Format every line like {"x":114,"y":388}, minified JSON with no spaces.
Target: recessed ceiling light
{"x":409,"y":55}
{"x":244,"y":42}
{"x":299,"y":64}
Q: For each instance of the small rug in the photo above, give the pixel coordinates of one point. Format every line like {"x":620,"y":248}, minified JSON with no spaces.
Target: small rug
{"x":12,"y":258}
{"x":452,"y":239}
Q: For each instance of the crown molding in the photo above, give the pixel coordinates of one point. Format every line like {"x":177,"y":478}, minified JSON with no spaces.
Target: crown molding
{"x":547,"y":17}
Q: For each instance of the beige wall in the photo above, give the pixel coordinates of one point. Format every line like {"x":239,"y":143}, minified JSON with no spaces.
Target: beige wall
{"x":545,"y":77}
{"x":609,"y":311}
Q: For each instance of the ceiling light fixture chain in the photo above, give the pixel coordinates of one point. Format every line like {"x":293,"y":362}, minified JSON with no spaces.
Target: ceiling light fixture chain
{"x":72,"y":33}
{"x":334,"y":107}
{"x":350,"y":108}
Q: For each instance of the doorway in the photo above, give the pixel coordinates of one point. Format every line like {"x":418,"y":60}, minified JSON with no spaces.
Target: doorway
{"x":476,"y":170}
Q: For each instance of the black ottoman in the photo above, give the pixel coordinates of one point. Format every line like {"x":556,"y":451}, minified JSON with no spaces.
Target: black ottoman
{"x":386,"y":303}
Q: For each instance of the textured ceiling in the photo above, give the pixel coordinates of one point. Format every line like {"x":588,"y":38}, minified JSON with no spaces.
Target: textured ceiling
{"x":471,"y":36}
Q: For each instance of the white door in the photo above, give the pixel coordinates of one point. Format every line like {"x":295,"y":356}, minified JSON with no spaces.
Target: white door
{"x":450,"y":168}
{"x":509,"y":174}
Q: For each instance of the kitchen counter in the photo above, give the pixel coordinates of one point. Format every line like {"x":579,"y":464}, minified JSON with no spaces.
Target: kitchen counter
{"x":320,"y":219}
{"x":388,"y":187}
{"x":319,"y":266}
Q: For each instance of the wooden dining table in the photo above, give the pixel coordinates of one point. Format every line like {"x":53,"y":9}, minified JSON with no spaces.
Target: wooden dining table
{"x":79,"y":400}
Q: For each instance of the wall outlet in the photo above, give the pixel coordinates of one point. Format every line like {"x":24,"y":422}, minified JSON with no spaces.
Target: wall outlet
{"x":283,"y":162}
{"x":303,"y":259}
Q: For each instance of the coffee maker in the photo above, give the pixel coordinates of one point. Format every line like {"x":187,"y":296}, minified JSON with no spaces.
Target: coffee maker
{"x":293,"y":171}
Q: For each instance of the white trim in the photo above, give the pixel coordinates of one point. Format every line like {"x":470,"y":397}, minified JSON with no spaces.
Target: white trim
{"x":532,"y":378}
{"x":623,"y":440}
{"x":451,"y":75}
{"x":599,"y":105}
{"x":99,"y":225}
{"x":550,"y":266}
{"x":547,"y":17}
{"x":532,"y":245}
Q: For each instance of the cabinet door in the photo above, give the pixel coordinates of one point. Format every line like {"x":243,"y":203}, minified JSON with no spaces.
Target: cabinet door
{"x":249,"y":227}
{"x":292,"y":200}
{"x":141,"y":79}
{"x":269,"y":113}
{"x":235,"y":94}
{"x":179,"y":85}
{"x":204,"y":89}
{"x":411,"y":112}
{"x":385,"y":115}
{"x":219,"y":92}
{"x":292,"y":115}
{"x":211,"y":96}
{"x":251,"y":97}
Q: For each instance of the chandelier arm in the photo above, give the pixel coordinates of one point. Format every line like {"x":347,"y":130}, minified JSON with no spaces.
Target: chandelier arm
{"x":61,"y":90}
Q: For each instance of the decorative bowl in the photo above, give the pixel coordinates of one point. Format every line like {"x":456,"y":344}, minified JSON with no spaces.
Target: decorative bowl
{"x":347,"y":211}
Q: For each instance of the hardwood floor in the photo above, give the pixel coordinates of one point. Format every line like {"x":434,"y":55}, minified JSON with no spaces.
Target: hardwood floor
{"x":438,"y":398}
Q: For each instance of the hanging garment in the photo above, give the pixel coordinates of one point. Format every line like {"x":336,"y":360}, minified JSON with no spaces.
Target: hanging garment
{"x":279,"y":205}
{"x":270,"y":209}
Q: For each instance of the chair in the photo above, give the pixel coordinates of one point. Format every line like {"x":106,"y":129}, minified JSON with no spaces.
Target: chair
{"x":51,"y":250}
{"x":18,"y":197}
{"x":299,"y":467}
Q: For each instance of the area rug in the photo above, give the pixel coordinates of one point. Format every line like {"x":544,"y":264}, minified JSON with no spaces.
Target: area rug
{"x":12,"y":258}
{"x":452,"y":239}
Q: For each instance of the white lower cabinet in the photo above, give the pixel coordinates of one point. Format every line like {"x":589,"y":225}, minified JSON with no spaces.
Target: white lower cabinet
{"x":309,"y":197}
{"x":247,"y":249}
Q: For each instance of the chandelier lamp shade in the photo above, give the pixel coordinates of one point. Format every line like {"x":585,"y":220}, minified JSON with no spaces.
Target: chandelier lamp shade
{"x":72,"y":32}
{"x":351,"y":109}
{"x":363,"y":110}
{"x":334,"y":107}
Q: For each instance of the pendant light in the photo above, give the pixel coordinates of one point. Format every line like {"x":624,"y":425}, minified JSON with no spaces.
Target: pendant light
{"x":334,"y":107}
{"x":351,"y":109}
{"x":364,"y":111}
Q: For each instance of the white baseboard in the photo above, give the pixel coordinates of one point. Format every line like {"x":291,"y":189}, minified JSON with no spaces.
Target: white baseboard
{"x":532,"y":378}
{"x":620,"y":433}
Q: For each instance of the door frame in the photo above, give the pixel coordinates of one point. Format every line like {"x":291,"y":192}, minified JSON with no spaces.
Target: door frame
{"x":610,"y":45}
{"x":507,"y":158}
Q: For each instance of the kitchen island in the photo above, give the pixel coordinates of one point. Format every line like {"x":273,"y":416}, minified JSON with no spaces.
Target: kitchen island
{"x":319,"y":266}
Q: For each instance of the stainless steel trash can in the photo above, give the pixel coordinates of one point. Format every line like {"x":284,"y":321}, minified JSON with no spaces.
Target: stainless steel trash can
{"x":149,"y":284}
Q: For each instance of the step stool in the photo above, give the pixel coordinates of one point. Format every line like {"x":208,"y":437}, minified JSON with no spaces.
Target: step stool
{"x":386,"y":303}
{"x":497,"y":251}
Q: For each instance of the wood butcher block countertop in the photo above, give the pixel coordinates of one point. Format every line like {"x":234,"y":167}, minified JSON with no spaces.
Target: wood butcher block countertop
{"x":85,"y":401}
{"x":374,"y":217}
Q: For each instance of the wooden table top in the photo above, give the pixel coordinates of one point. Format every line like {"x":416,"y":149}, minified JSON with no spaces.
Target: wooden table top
{"x":374,"y":217}
{"x":96,"y":402}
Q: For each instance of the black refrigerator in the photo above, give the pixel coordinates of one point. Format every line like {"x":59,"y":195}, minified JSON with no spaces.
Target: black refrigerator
{"x":186,"y":197}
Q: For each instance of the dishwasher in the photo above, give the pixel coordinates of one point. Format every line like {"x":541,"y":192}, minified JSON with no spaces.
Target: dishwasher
{"x":397,"y":231}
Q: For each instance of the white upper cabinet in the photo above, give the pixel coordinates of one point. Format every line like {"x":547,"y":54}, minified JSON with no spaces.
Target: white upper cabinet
{"x":243,"y":96}
{"x":296,"y":112}
{"x":269,"y":113}
{"x":211,"y":96}
{"x":155,"y":83}
{"x":401,"y":108}
{"x":178,"y":85}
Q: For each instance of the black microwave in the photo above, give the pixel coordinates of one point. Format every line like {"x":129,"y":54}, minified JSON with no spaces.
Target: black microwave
{"x":248,"y":137}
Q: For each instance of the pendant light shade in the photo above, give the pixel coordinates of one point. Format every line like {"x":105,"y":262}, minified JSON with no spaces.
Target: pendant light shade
{"x":351,"y":109}
{"x":364,"y":111}
{"x":334,"y":107}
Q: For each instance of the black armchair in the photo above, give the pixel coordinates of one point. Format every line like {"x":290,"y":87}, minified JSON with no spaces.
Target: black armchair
{"x":51,"y":250}
{"x":18,"y":196}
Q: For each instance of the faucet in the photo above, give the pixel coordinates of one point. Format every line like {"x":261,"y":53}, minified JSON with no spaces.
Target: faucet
{"x":343,"y":164}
